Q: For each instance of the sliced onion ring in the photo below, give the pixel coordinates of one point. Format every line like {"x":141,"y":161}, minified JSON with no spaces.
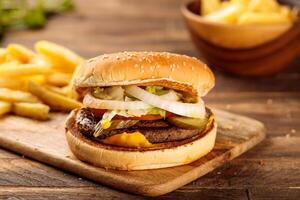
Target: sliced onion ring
{"x":90,"y":101}
{"x":195,"y":110}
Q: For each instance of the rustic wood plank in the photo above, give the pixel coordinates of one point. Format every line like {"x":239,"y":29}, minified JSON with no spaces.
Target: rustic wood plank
{"x":94,"y":193}
{"x":270,"y":158}
{"x":45,"y":141}
{"x":24,"y":172}
{"x":278,"y":110}
{"x":274,"y":193}
{"x":6,"y":154}
{"x":276,"y":148}
{"x":35,"y":193}
{"x":243,"y":173}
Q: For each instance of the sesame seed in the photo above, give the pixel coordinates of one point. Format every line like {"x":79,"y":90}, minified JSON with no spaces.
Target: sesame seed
{"x":117,"y":57}
{"x":136,"y":65}
{"x":123,"y":59}
{"x":193,"y":68}
{"x":142,"y":71}
{"x":152,"y":76}
{"x":184,"y":63}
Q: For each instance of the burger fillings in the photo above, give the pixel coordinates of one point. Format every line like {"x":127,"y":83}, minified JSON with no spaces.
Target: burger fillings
{"x":148,"y":116}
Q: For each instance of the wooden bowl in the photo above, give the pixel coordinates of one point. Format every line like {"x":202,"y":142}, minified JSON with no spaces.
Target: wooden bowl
{"x":249,"y":50}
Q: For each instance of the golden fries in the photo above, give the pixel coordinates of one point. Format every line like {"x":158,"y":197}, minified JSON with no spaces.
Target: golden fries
{"x":248,"y":12}
{"x":59,"y":79}
{"x":62,"y":91}
{"x":21,"y":83}
{"x":210,"y":6}
{"x":265,"y":6}
{"x":14,"y":69}
{"x":20,"y":53}
{"x":11,"y":83}
{"x":262,"y":18}
{"x":227,"y":15}
{"x":32,"y":110}
{"x":61,"y":58}
{"x":27,"y":78}
{"x":54,"y":100}
{"x":17,"y":96}
{"x":5,"y":107}
{"x":2,"y":55}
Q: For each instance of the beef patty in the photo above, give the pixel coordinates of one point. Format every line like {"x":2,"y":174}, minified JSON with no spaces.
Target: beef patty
{"x":157,"y":131}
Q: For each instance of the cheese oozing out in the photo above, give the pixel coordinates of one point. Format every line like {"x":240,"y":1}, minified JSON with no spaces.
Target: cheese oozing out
{"x":135,"y":139}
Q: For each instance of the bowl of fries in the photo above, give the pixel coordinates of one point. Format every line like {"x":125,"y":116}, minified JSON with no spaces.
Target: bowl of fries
{"x":33,"y":83}
{"x":243,"y":36}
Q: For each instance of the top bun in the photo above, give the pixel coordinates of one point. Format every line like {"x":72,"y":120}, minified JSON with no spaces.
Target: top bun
{"x":170,"y":70}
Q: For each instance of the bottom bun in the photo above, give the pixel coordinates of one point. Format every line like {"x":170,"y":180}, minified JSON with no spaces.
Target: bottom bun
{"x":111,"y":157}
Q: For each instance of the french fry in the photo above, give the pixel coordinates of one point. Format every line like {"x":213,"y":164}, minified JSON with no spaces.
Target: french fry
{"x":22,"y":82}
{"x":2,"y":55}
{"x":14,"y":69}
{"x":209,"y":6}
{"x":54,"y":100}
{"x":61,"y":58}
{"x":264,"y":6}
{"x":5,"y":107}
{"x":59,"y":79}
{"x":32,"y":110}
{"x":248,"y":12}
{"x":240,"y":2}
{"x":227,"y":15}
{"x":262,"y":18}
{"x":16,"y":96}
{"x":59,"y":90}
{"x":38,"y":79}
{"x":20,"y":53}
{"x":11,"y":83}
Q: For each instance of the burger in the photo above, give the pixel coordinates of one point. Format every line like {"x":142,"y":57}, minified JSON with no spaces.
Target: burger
{"x":141,"y":110}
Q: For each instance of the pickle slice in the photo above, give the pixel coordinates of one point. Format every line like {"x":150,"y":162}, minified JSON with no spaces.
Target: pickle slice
{"x":191,"y":123}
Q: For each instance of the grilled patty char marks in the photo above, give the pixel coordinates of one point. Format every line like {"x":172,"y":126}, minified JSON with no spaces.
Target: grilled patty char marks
{"x":158,"y":131}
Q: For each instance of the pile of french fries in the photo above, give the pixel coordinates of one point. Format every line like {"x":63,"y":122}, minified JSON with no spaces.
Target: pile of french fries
{"x":33,"y":83}
{"x":248,"y":12}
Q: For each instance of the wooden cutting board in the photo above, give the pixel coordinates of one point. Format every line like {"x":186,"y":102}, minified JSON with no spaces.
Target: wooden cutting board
{"x":45,"y":142}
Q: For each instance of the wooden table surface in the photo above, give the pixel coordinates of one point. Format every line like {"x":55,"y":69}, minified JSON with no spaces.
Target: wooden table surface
{"x":269,"y":171}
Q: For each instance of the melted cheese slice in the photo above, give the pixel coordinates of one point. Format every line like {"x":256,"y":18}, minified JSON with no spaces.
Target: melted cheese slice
{"x":135,"y":139}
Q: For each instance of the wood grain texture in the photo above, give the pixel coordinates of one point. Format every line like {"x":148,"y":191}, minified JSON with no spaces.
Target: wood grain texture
{"x":98,"y":27}
{"x":45,"y":142}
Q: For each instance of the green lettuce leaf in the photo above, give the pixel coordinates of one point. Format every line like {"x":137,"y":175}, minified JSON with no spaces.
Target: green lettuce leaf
{"x":157,"y":90}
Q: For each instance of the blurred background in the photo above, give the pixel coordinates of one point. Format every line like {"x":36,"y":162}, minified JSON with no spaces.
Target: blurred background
{"x":93,"y":27}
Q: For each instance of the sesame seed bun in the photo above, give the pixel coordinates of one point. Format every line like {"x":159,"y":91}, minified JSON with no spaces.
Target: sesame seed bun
{"x":174,"y":71}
